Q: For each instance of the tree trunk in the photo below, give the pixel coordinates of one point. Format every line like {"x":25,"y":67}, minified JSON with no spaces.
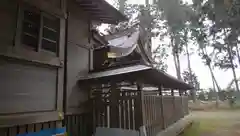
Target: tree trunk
{"x":176,"y":66}
{"x":238,"y":55}
{"x":214,"y":88}
{"x":179,"y":67}
{"x":229,"y":50}
{"x":215,"y":82}
{"x":121,"y":5}
{"x":147,"y":2}
{"x":232,"y":66}
{"x":190,"y":71}
{"x":211,"y":71}
{"x":176,"y":60}
{"x":214,"y":79}
{"x":193,"y":92}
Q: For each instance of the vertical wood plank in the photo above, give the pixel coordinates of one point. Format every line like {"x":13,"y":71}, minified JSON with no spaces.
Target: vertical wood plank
{"x":137,"y":110}
{"x":66,"y":124}
{"x":84,"y":122}
{"x":152,"y":115}
{"x":45,"y":125}
{"x":103,"y":112}
{"x":100,"y":114}
{"x":12,"y":131}
{"x":73,"y":125}
{"x":69,"y":125}
{"x":162,"y":113}
{"x":114,"y":106}
{"x":108,"y":114}
{"x":80,"y":127}
{"x":53,"y":124}
{"x":174,"y":109}
{"x":122,"y":109}
{"x":30,"y":128}
{"x":155,"y":114}
{"x":38,"y":127}
{"x":131,"y":112}
{"x":75,"y":130}
{"x":22,"y":129}
{"x":3,"y":132}
{"x":127,"y":110}
{"x":133,"y":104}
{"x":139,"y":117}
{"x":77,"y":124}
{"x":94,"y":114}
{"x":182,"y":107}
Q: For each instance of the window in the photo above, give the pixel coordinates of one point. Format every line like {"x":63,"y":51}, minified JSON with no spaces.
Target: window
{"x":40,"y":31}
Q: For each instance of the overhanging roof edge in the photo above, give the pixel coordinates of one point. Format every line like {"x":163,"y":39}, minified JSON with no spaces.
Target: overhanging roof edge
{"x":148,"y":74}
{"x":102,"y":11}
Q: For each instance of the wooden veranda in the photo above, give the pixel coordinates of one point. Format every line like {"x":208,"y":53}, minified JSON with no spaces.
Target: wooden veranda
{"x":115,"y":106}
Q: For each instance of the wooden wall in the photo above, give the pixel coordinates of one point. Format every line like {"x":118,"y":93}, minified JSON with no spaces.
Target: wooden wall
{"x":78,"y":49}
{"x":31,"y":87}
{"x":23,"y":129}
{"x":26,"y":88}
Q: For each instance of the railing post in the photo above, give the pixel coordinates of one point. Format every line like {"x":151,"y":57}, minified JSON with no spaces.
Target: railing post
{"x":114,"y":113}
{"x":174,"y":106}
{"x":162,"y":110}
{"x":139,"y":108}
{"x":182,"y":106}
{"x":186,"y":101}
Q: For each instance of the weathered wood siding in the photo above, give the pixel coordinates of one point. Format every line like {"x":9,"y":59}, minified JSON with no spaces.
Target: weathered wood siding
{"x":77,"y":57}
{"x":18,"y":130}
{"x":26,"y":88}
{"x":8,"y":14}
{"x":29,"y":86}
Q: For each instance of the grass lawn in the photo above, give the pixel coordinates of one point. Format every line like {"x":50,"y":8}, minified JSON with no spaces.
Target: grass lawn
{"x":218,"y":123}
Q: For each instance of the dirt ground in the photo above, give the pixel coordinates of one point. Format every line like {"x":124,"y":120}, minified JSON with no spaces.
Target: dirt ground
{"x":214,"y":123}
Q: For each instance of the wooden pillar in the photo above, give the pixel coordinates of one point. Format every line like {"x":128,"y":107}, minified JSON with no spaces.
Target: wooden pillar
{"x":139,"y":112}
{"x":114,"y":112}
{"x":162,"y":108}
{"x":174,"y":106}
{"x":172,"y":92}
{"x":182,"y":107}
{"x":160,"y":90}
{"x":180,"y":92}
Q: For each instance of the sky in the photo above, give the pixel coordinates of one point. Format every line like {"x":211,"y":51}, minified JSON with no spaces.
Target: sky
{"x":223,"y":77}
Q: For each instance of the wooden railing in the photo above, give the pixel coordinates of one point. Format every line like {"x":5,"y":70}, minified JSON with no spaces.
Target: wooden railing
{"x":159,"y":112}
{"x":79,"y":124}
{"x":137,"y":109}
{"x":125,"y":114}
{"x":134,"y":110}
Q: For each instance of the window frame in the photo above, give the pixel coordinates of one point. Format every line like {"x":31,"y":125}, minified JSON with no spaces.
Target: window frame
{"x":41,"y":55}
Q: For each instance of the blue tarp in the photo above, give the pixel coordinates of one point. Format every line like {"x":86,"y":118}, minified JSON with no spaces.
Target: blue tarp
{"x":46,"y":132}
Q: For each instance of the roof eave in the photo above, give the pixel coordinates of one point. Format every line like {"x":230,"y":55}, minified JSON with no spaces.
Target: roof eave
{"x":101,"y":11}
